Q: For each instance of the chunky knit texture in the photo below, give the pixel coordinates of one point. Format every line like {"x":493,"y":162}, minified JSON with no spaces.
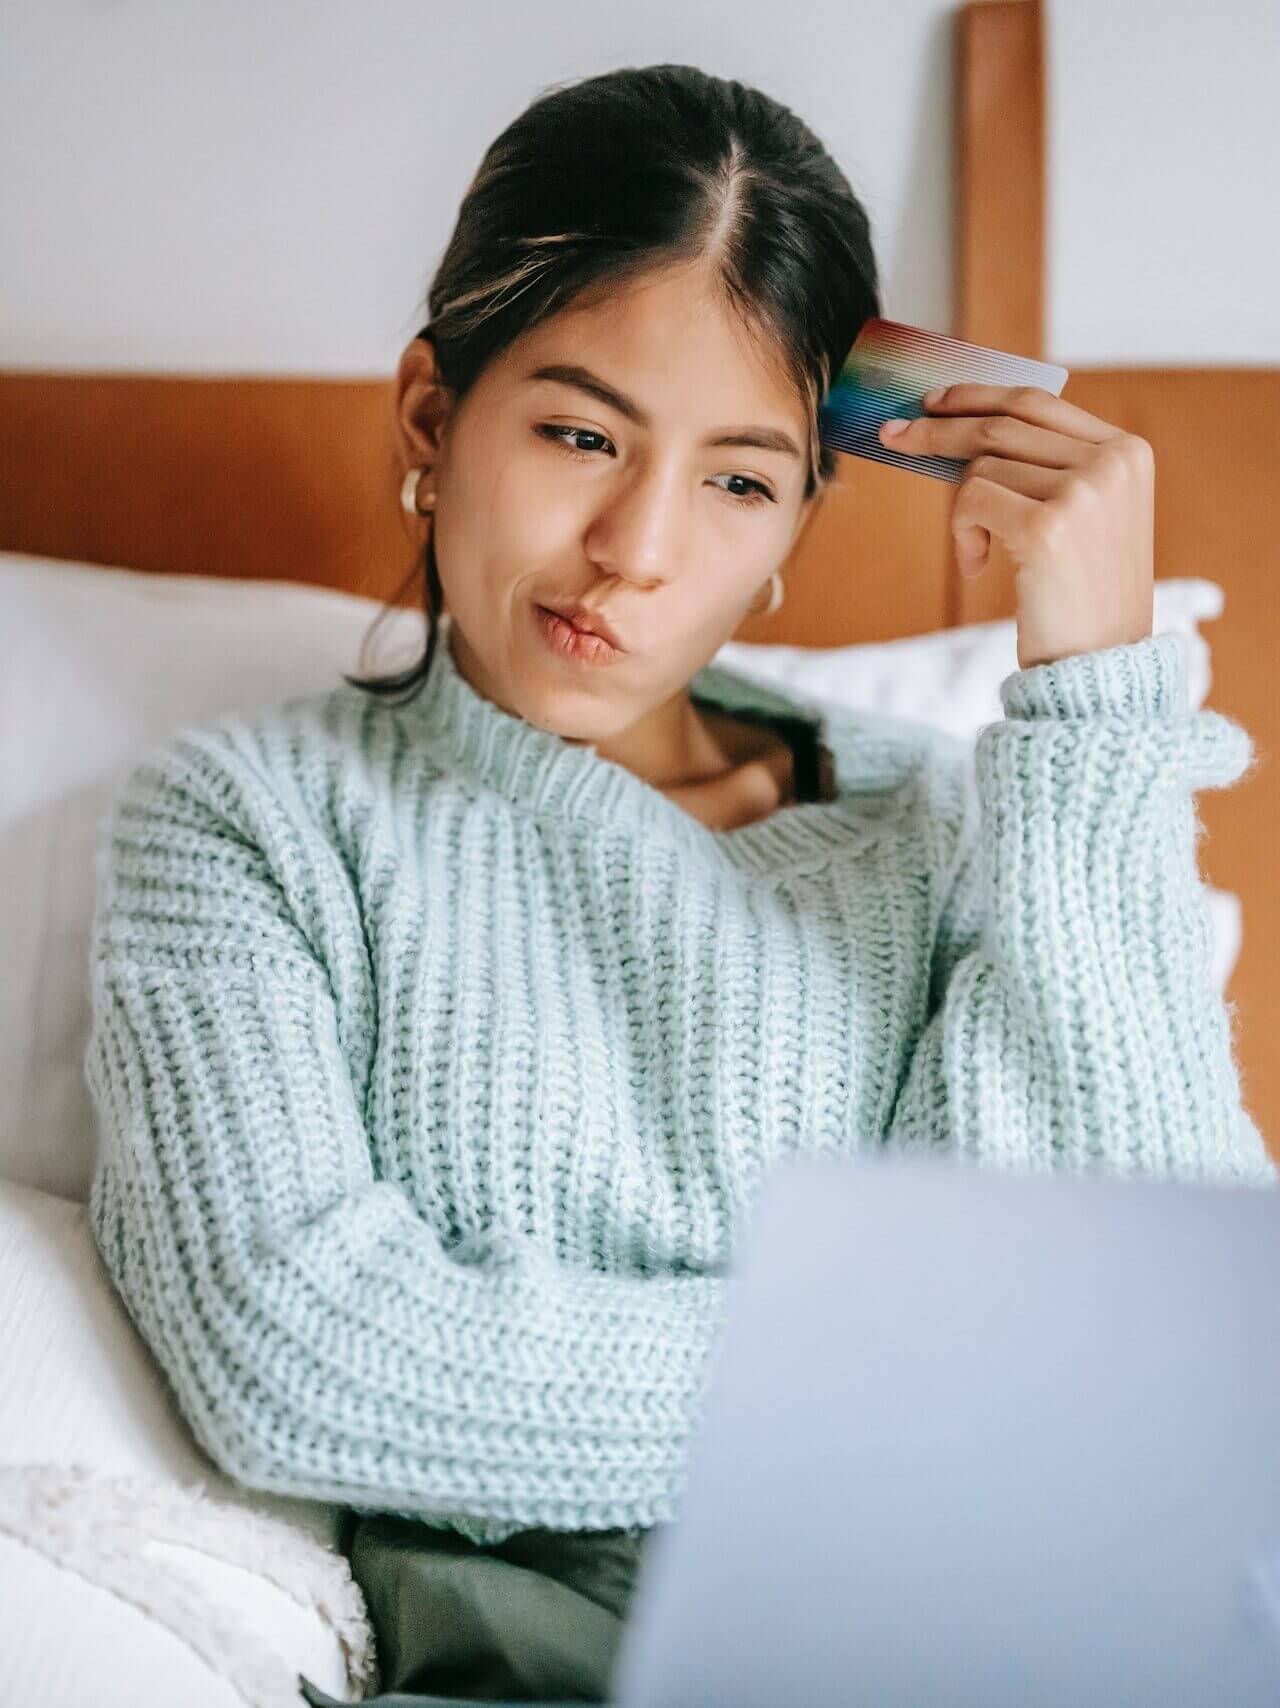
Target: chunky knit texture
{"x":438,"y":1061}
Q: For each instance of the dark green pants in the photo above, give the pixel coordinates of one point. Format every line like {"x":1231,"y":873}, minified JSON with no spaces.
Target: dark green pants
{"x":536,"y":1618}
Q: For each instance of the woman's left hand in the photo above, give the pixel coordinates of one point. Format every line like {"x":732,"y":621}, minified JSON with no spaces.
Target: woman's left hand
{"x":1069,"y":497}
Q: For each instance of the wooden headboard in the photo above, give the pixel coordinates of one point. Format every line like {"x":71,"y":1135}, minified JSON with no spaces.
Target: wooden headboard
{"x":292,"y":479}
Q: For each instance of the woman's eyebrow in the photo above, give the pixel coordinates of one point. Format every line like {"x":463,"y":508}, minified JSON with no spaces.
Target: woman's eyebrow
{"x":568,"y":373}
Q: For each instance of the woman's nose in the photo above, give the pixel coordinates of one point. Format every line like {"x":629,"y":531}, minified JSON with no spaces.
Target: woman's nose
{"x":641,"y":535}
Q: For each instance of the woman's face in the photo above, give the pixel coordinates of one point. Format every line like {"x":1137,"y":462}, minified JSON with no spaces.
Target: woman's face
{"x":549,"y":492}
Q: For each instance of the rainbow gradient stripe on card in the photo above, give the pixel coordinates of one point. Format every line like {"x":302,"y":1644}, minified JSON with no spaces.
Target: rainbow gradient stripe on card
{"x":887,"y":373}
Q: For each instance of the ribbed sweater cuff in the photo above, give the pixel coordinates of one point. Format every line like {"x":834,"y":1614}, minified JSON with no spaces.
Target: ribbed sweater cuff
{"x":1146,"y":678}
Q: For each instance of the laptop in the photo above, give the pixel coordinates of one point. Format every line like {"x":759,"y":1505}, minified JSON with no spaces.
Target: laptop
{"x":979,"y":1440}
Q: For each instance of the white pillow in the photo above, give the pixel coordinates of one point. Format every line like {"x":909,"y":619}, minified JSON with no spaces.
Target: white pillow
{"x":98,"y":665}
{"x":102,"y":663}
{"x":952,"y":677}
{"x":131,"y":1569}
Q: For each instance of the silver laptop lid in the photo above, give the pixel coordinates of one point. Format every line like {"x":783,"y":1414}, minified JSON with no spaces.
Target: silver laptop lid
{"x":980,"y":1440}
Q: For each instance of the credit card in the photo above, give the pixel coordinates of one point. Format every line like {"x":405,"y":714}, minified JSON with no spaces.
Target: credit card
{"x":886,"y":374}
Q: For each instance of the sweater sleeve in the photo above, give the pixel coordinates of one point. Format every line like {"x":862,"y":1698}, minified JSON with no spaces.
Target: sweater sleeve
{"x":1074,"y":1022}
{"x":320,"y":1338}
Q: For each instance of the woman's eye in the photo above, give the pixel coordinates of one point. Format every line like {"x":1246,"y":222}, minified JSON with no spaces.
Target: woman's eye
{"x":760,"y":495}
{"x":559,"y":436}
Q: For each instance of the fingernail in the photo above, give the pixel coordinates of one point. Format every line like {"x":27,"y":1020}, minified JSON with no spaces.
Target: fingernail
{"x":895,"y":426}
{"x":932,"y":396}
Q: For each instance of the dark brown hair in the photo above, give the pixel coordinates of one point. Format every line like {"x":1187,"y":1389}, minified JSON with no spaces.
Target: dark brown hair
{"x":606,"y":179}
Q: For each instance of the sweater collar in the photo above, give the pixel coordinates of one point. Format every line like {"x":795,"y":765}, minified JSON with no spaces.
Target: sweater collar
{"x":541,"y":773}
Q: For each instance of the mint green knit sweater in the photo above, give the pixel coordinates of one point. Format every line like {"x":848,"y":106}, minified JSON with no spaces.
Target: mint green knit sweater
{"x":438,"y":1061}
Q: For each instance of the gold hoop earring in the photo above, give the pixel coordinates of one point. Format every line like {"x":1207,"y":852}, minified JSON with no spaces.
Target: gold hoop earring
{"x":409,"y":494}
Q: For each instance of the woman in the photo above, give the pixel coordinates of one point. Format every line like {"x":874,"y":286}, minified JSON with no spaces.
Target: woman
{"x":445,"y":1027}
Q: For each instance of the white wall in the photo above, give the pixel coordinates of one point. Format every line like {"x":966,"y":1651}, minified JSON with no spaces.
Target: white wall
{"x":267,"y":185}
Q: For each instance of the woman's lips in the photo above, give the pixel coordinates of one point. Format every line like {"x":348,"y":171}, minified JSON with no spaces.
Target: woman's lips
{"x":574,"y":644}
{"x":588,"y":622}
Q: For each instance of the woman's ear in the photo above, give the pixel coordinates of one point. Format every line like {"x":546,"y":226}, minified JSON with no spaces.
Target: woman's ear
{"x":421,"y":404}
